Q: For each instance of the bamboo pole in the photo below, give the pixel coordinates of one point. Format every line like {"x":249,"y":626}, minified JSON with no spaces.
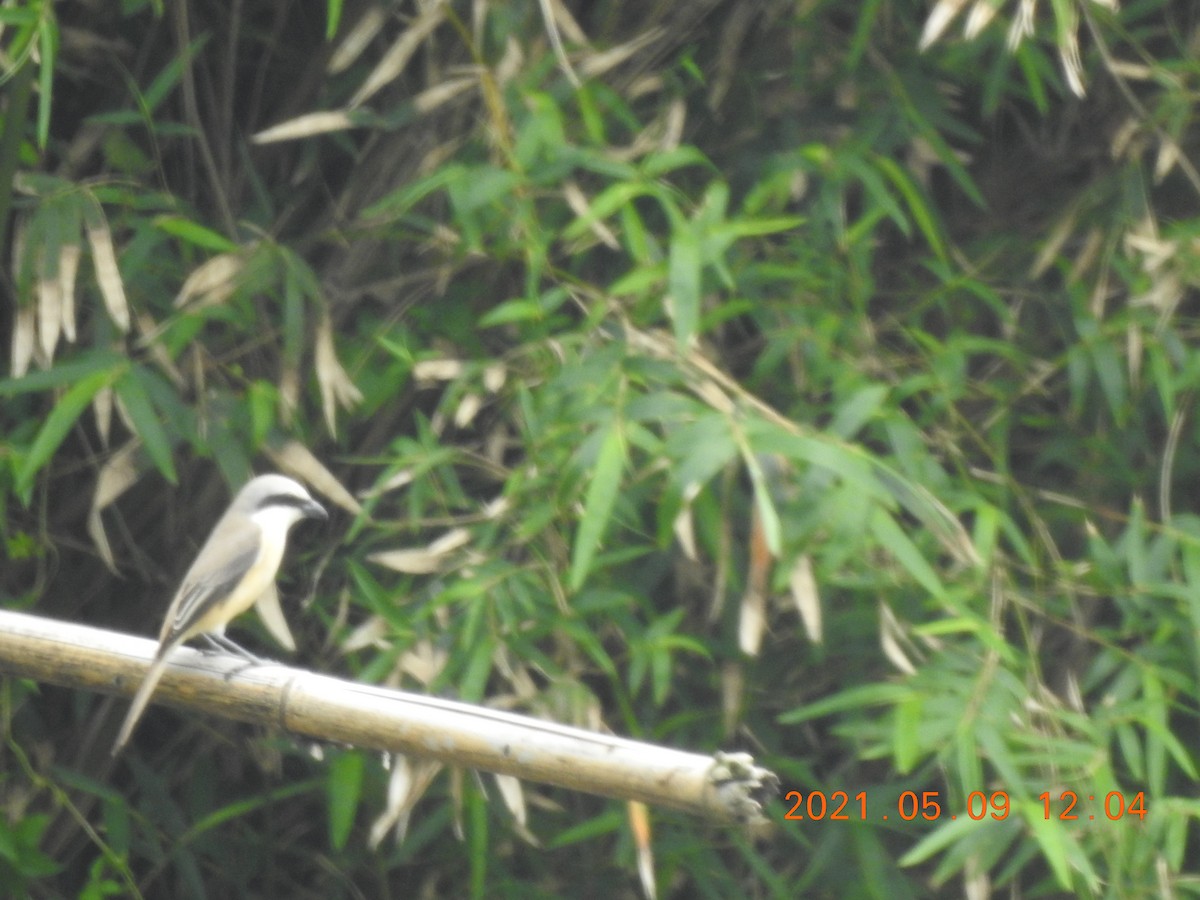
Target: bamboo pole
{"x":728,"y":788}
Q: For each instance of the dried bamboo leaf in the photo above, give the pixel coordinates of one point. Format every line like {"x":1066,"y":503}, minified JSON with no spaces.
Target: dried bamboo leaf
{"x":639,"y":826}
{"x":1068,"y":54}
{"x":1165,"y":160}
{"x":685,"y":532}
{"x":513,"y":795}
{"x":357,"y":38}
{"x":336,"y":386}
{"x":397,"y":56}
{"x":424,"y":661}
{"x":598,"y":64}
{"x":940,"y":17}
{"x":494,"y":377}
{"x":116,"y":476}
{"x":149,"y":331}
{"x":673,"y":123}
{"x":752,"y":621}
{"x":891,"y":634}
{"x":438,"y":369}
{"x":1022,"y":24}
{"x":289,"y":393}
{"x":370,"y":633}
{"x":212,"y":282}
{"x":580,"y":206}
{"x":24,"y":338}
{"x":397,"y":480}
{"x":431,"y":98}
{"x":1054,"y":243}
{"x":980,"y":16}
{"x":108,"y":276}
{"x":24,"y":334}
{"x":305,"y":126}
{"x":733,"y":695}
{"x":566,"y":21}
{"x":102,"y":410}
{"x":49,"y":306}
{"x":804,"y":592}
{"x":684,"y":525}
{"x":68,"y":270}
{"x":423,"y":560}
{"x":556,"y":44}
{"x":511,"y":63}
{"x":298,"y":461}
{"x":468,"y":407}
{"x":409,"y":781}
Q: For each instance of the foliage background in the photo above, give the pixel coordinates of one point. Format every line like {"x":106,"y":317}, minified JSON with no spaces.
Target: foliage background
{"x":640,"y":330}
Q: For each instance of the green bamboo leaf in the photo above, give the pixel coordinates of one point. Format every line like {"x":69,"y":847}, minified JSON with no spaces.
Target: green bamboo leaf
{"x":473,"y":683}
{"x":950,"y":834}
{"x":146,"y":421}
{"x":1160,"y":739}
{"x":1030,"y":61}
{"x":194,"y":233}
{"x":1110,"y":371}
{"x":639,"y":240}
{"x":863,"y":697}
{"x":610,"y":821}
{"x":482,"y":186}
{"x":1130,"y":741}
{"x":479,"y":847}
{"x":906,"y":733}
{"x":1177,"y":817}
{"x":893,"y":539}
{"x":333,"y":16}
{"x":683,"y":282}
{"x":993,"y":745}
{"x":344,"y":787}
{"x":399,"y":202}
{"x":862,"y":406}
{"x":525,"y":309}
{"x":763,"y":502}
{"x":598,"y":504}
{"x":921,"y":212}
{"x":48,"y":50}
{"x":510,"y":312}
{"x":727,"y":232}
{"x":605,"y":204}
{"x":239,"y":808}
{"x":168,"y":78}
{"x":660,"y":163}
{"x":64,"y":415}
{"x":293,"y":314}
{"x":1053,"y":840}
{"x":969,"y":765}
{"x":62,"y":374}
{"x":848,"y":461}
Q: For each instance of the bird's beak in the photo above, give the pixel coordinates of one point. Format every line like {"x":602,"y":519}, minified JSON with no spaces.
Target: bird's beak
{"x":313,"y":510}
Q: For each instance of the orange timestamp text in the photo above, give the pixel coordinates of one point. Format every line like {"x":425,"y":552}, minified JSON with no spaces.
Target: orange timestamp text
{"x":840,"y":806}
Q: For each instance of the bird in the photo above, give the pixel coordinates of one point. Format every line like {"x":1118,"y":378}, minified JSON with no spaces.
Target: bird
{"x":233,"y":570}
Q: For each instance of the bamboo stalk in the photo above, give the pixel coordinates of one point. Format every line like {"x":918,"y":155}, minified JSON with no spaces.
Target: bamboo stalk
{"x":727,"y":788}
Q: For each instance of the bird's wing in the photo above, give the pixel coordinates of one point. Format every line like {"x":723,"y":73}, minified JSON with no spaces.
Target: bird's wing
{"x":217,"y":570}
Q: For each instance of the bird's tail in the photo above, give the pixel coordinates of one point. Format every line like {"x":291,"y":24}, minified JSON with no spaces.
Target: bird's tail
{"x":141,"y":698}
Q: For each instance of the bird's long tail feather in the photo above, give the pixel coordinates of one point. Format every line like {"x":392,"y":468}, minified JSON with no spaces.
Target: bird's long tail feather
{"x":141,"y":698}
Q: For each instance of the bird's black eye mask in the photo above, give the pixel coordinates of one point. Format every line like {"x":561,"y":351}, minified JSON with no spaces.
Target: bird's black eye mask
{"x":300,"y":503}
